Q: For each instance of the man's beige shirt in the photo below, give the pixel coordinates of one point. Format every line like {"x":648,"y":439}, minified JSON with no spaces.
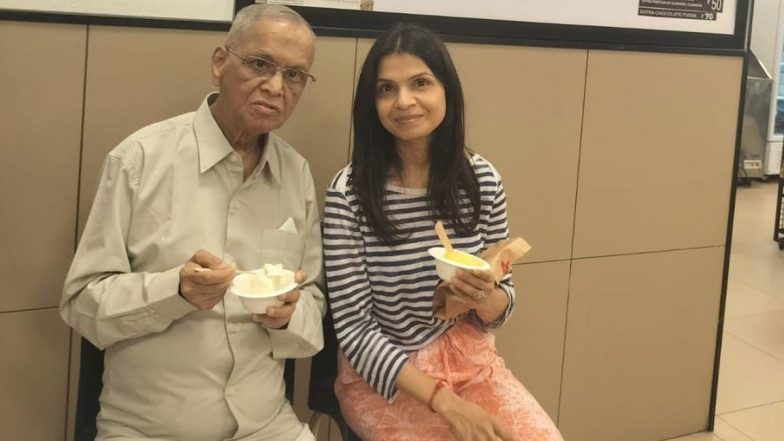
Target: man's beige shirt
{"x":173,"y":372}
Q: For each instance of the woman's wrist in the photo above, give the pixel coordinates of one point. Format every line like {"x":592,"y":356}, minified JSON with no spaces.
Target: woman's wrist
{"x":442,"y":400}
{"x":436,"y":389}
{"x":493,"y":307}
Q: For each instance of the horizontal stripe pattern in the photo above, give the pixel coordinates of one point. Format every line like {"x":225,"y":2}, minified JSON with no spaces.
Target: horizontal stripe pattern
{"x":381,"y":297}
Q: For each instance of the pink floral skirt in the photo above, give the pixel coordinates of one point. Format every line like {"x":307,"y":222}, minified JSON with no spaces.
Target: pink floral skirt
{"x":465,"y":360}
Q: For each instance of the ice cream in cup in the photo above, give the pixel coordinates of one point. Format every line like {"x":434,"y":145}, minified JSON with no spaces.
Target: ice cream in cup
{"x":259,"y":289}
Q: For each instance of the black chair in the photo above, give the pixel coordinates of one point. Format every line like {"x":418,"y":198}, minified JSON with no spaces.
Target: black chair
{"x":321,"y":392}
{"x":91,"y":383}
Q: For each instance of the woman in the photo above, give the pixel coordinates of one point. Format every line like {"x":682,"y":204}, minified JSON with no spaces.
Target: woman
{"x":403,"y":374}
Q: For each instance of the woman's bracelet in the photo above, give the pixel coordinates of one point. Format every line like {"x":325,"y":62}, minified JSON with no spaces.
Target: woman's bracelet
{"x":439,"y":386}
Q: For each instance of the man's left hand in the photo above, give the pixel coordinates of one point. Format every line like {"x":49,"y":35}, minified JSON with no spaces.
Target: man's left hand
{"x":277,"y":317}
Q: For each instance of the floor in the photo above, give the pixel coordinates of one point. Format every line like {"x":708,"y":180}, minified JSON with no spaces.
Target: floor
{"x":750,"y":403}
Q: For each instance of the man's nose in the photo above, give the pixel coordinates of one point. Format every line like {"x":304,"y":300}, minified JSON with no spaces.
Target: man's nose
{"x":273,"y":84}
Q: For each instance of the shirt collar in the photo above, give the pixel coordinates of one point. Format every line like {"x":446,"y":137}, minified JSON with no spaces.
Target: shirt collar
{"x":213,"y":145}
{"x":270,"y":157}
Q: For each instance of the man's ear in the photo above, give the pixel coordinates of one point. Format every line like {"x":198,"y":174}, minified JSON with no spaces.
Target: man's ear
{"x":219,"y":58}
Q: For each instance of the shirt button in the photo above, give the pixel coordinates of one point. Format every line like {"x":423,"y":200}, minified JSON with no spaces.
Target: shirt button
{"x":230,"y":391}
{"x":234,"y":328}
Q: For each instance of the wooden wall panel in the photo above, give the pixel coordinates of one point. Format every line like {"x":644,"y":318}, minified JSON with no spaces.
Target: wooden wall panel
{"x":523,"y":113}
{"x":640,"y":344}
{"x":35,"y":375}
{"x":657,"y":152}
{"x":41,"y":81}
{"x":532,"y":341}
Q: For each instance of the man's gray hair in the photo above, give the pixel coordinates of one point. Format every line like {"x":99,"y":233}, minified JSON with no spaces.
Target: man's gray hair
{"x":252,"y":13}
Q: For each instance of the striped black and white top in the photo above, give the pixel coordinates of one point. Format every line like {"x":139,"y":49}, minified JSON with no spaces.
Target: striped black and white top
{"x":382,"y":297}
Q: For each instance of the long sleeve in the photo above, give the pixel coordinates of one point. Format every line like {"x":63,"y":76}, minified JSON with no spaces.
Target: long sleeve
{"x":303,"y":336}
{"x":102,"y":298}
{"x":497,"y":229}
{"x":370,"y":352}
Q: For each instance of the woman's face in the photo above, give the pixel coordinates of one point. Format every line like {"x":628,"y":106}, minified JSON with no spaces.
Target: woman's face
{"x":410,"y":101}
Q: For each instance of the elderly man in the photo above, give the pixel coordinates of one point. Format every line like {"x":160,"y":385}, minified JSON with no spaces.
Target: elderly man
{"x":181,"y":204}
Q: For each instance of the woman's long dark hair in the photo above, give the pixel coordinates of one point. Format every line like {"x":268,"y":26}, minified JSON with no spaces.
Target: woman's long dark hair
{"x":451,"y":177}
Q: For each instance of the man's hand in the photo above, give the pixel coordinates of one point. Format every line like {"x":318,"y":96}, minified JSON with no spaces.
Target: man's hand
{"x":277,"y":317}
{"x":204,"y":280}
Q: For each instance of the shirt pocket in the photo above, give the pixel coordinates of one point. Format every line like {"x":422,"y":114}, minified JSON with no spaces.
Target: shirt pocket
{"x":282,"y":247}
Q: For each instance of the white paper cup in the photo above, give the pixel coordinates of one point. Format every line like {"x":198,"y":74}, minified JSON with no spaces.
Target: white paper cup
{"x":446,"y":268}
{"x":258,"y":303}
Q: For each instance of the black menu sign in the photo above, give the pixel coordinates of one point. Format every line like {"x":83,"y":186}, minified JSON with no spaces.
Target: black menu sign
{"x":688,"y":9}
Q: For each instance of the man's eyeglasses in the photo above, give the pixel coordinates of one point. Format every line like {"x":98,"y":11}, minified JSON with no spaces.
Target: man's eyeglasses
{"x":295,"y":79}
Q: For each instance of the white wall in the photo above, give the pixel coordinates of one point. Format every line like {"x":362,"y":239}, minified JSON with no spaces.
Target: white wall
{"x":764,"y":32}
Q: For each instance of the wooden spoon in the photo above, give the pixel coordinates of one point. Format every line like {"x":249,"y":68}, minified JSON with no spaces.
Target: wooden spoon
{"x":443,"y":237}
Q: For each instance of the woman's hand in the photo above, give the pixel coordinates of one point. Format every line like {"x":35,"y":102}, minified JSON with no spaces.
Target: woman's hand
{"x":473,"y":286}
{"x":477,"y":289}
{"x":468,"y":421}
